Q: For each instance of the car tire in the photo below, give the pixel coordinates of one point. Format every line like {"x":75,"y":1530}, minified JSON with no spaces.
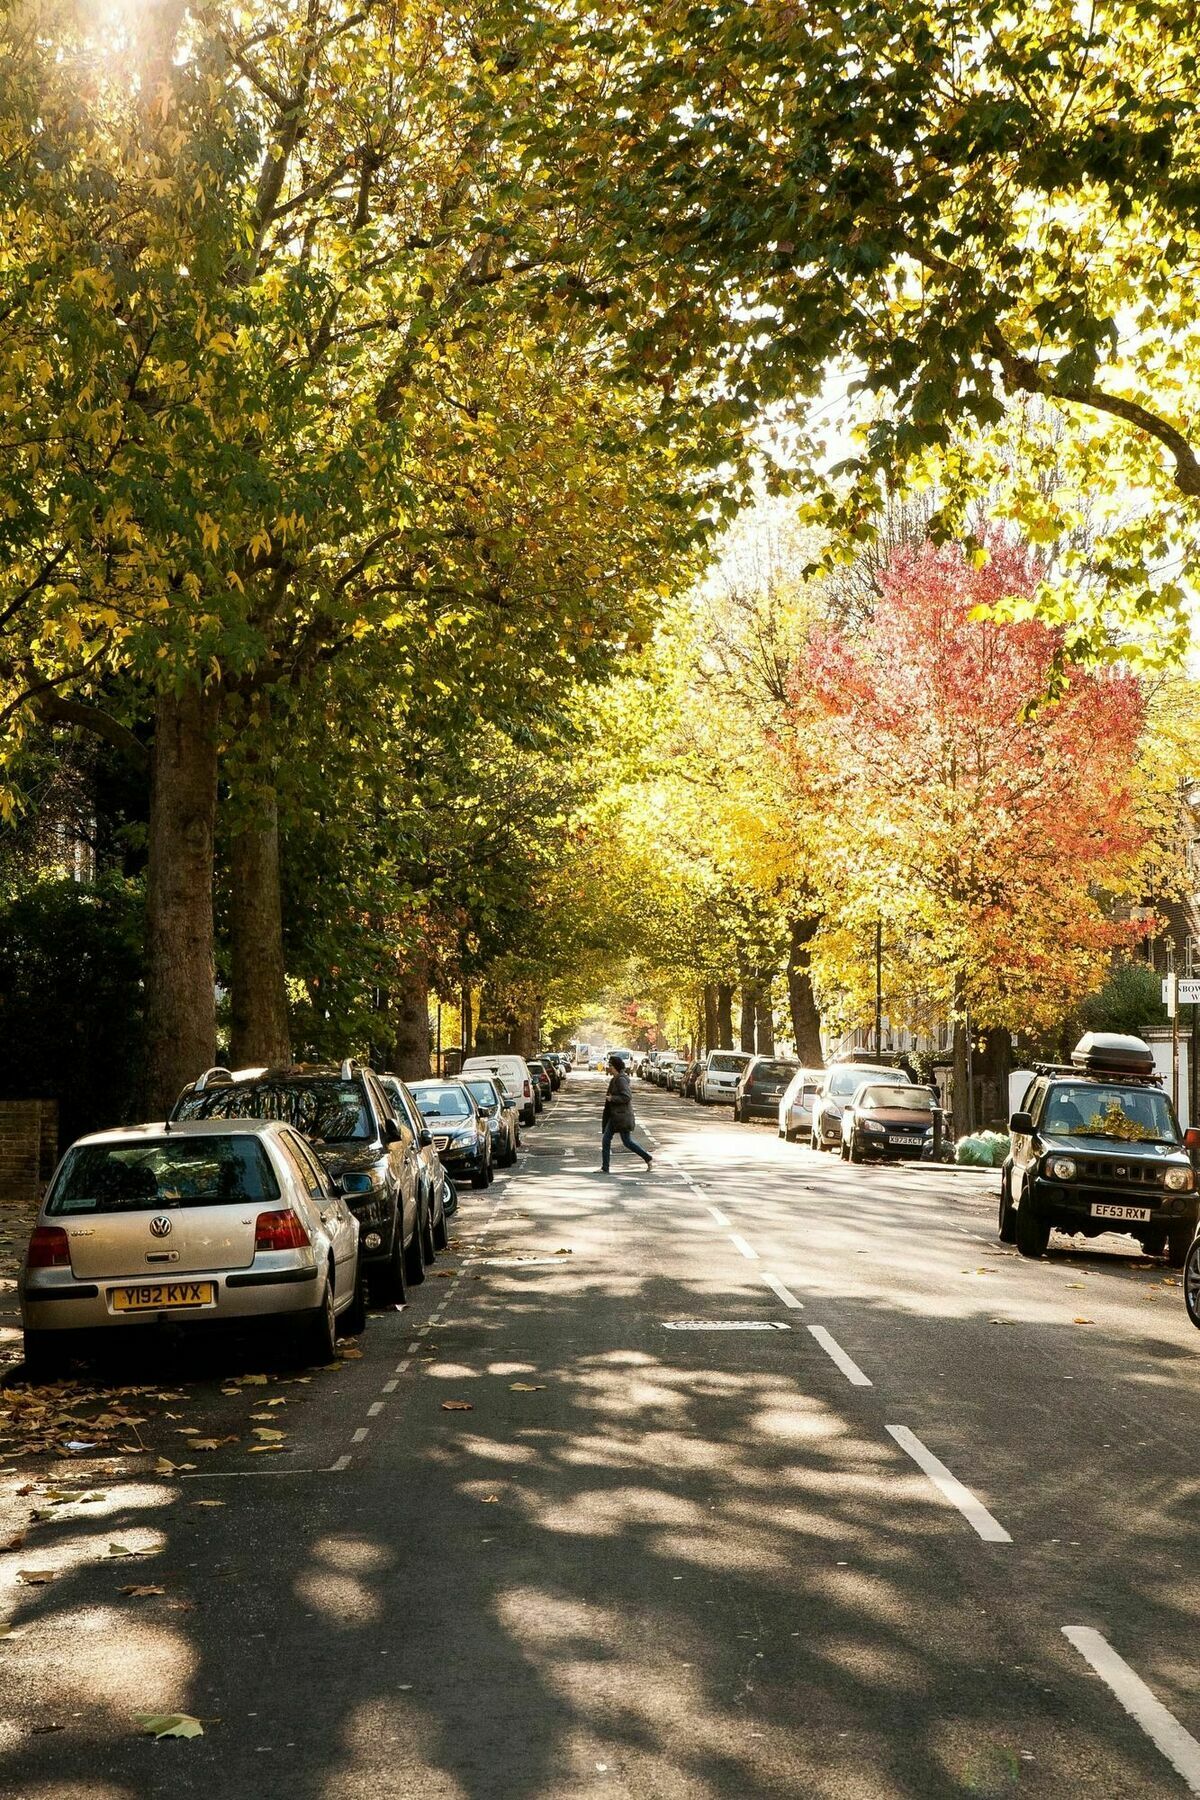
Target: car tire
{"x":441,"y":1230}
{"x":428,"y":1246}
{"x":530,"y":1115}
{"x":1006,"y":1223}
{"x":1154,"y":1243}
{"x":449,"y":1197}
{"x":45,"y":1355}
{"x":856,"y":1153}
{"x":1191,"y":1284}
{"x":845,"y":1151}
{"x":414,"y":1256}
{"x":353,"y":1321}
{"x":1179,"y":1242}
{"x":479,"y":1177}
{"x":387,"y":1281}
{"x":317,"y":1338}
{"x":1032,"y":1234}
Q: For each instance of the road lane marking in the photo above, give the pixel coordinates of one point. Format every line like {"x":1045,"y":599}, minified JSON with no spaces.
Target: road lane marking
{"x":846,"y":1364}
{"x":719,"y":1216}
{"x":950,"y":1487}
{"x":389,"y":1387}
{"x":375,"y":1408}
{"x":1160,"y":1726}
{"x":785,"y":1293}
{"x":343,"y":1462}
{"x":359,"y":1435}
{"x":739,"y":1243}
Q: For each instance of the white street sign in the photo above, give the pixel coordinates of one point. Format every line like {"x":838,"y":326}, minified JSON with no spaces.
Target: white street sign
{"x":1187,"y":992}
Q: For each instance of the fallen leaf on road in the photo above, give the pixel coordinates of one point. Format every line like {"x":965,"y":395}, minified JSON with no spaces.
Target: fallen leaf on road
{"x":267,"y":1435}
{"x":14,"y":1543}
{"x":209,"y":1444}
{"x":163,"y":1725}
{"x":458,"y":1406}
{"x":264,"y":1449}
{"x":208,"y":1503}
{"x":5,"y":1628}
{"x":140,"y":1591}
{"x":490,"y":1500}
{"x":527,"y":1387}
{"x":36,"y":1577}
{"x":564,"y":1253}
{"x":41,"y":1730}
{"x":444,"y":1274}
{"x":277,"y":1401}
{"x":124,"y":1550}
{"x":1083,"y":1321}
{"x":349,"y":1354}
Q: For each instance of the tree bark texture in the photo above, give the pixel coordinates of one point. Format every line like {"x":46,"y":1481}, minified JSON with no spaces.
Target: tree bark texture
{"x":468,"y":1025}
{"x":410,"y":1020}
{"x":260,"y":1026}
{"x":749,"y":1013}
{"x":712,"y":1031}
{"x":724,"y":1016}
{"x":764,"y":1023}
{"x":961,"y":1101}
{"x":181,"y":1018}
{"x":806,"y":1020}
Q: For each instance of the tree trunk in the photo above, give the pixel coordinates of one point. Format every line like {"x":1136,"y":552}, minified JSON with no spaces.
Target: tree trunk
{"x":468,"y":1027}
{"x":410,"y":1020}
{"x":712,"y":1030}
{"x":181,"y":1016}
{"x":724,"y":1016}
{"x":260,"y":1027}
{"x":764,"y":1033}
{"x":749,"y":1012}
{"x":961,"y":1099}
{"x":806,"y":1020}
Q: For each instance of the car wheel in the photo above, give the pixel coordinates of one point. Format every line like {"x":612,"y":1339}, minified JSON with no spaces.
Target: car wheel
{"x":1006,"y":1224}
{"x":1179,"y":1242}
{"x":856,"y":1149}
{"x":428,"y":1246}
{"x":1032,"y":1234}
{"x":45,"y":1355}
{"x":441,"y":1230}
{"x":353,"y":1321}
{"x":387,"y":1283}
{"x":414,"y":1258}
{"x":1191,"y":1284}
{"x":317,"y":1340}
{"x":845,"y":1151}
{"x":529,"y":1115}
{"x":479,"y":1178}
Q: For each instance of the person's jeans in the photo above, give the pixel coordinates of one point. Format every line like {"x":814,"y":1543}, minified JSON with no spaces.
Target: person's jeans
{"x":629,"y":1141}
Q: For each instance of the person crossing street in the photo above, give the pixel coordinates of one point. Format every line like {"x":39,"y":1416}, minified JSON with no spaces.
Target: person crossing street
{"x":618,"y":1118}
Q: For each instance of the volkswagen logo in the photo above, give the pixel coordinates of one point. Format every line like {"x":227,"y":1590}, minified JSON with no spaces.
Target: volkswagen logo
{"x":160,"y":1227}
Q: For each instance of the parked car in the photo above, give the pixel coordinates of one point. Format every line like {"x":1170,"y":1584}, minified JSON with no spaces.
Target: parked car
{"x":543,"y":1078}
{"x":501,"y":1116}
{"x":691,"y":1077}
{"x":718,"y":1082}
{"x":676,"y":1074}
{"x":837,"y":1089}
{"x":441,"y":1195}
{"x":517,"y":1077}
{"x":1096,"y":1147}
{"x":351,"y":1124}
{"x":760,"y":1090}
{"x":461,"y":1135}
{"x":796,"y":1104}
{"x":888,"y":1120}
{"x":550,"y":1064}
{"x":229,"y":1222}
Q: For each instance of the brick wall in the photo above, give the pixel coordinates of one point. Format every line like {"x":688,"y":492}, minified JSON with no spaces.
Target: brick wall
{"x":28,"y":1146}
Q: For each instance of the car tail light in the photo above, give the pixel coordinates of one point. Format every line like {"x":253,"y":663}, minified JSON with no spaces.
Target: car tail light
{"x":280,"y":1231}
{"x":48,"y":1249}
{"x":528,"y":1091}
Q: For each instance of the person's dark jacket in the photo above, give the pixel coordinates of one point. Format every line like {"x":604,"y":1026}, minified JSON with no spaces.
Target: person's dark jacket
{"x":618,"y":1104}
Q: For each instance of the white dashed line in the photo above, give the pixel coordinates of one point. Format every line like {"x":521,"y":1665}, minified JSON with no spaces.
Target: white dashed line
{"x":343,"y":1462}
{"x":740,"y":1244}
{"x":719,"y":1216}
{"x":375,"y":1408}
{"x":359,"y":1435}
{"x":950,"y":1487}
{"x":785,"y":1293}
{"x":389,"y":1387}
{"x":1160,"y":1726}
{"x":846,"y":1364}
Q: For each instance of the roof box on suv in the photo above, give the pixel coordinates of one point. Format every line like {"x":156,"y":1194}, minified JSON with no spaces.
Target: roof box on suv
{"x":1111,"y":1053}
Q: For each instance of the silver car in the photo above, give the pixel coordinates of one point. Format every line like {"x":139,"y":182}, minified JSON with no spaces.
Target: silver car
{"x":214,"y":1222}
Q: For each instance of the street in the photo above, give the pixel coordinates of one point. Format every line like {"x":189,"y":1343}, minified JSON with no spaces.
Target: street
{"x":768,"y":1475}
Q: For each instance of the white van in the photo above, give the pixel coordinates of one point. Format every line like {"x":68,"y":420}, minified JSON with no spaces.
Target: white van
{"x":718,"y":1081}
{"x":516,"y":1075}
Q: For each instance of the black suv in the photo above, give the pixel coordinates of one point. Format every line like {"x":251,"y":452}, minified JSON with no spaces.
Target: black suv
{"x":1096,"y":1147}
{"x":761,"y":1088}
{"x":351,"y":1124}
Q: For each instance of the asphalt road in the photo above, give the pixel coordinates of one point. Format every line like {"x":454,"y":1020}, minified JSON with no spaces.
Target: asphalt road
{"x":771,"y":1476}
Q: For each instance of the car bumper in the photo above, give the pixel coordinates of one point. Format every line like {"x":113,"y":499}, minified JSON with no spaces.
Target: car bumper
{"x":462,"y":1162}
{"x":887,"y":1150}
{"x":1070,"y":1208}
{"x":762,"y":1107}
{"x":239,"y":1297}
{"x":724,"y":1096}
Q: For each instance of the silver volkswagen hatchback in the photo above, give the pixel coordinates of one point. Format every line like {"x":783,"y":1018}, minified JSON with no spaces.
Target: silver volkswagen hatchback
{"x":217,"y":1222}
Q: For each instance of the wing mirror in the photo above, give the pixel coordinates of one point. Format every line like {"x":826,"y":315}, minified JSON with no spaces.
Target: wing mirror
{"x":337,"y":1186}
{"x":425,"y":1139}
{"x":1021,"y":1124}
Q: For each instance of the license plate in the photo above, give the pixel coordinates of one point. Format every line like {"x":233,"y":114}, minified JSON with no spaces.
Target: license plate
{"x":1102,"y":1210}
{"x":155,"y":1296}
{"x":910,"y":1142}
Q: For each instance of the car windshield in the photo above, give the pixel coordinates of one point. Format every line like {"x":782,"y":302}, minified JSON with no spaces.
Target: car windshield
{"x":911,"y":1099}
{"x":484,"y":1092}
{"x":1128,"y":1115}
{"x":442,"y":1102}
{"x":728,"y":1065}
{"x":850,"y":1077}
{"x":324,"y":1109}
{"x":183,"y":1171}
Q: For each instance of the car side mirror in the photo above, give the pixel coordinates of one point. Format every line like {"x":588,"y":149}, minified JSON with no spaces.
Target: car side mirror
{"x":1191,"y":1137}
{"x":391,"y":1132}
{"x":337,"y":1186}
{"x":425,"y":1139}
{"x":1021,"y":1124}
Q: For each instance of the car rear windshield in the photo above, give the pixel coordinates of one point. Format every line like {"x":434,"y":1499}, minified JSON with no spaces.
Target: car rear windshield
{"x":325,"y":1111}
{"x":911,"y":1099}
{"x":484,"y":1092}
{"x":138,"y":1177}
{"x":850,"y":1077}
{"x":1127,"y":1115}
{"x":772,"y":1071}
{"x":728,"y":1065}
{"x":442,"y":1102}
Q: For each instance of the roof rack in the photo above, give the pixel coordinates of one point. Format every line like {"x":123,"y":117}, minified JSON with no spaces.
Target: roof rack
{"x":211,"y":1076}
{"x":1150,"y":1078}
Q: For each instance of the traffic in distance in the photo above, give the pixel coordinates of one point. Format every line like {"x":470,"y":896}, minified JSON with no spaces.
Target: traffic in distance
{"x":287,"y":1202}
{"x":1094,"y":1147}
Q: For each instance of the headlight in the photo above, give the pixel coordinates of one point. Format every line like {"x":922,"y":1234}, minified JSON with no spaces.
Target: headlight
{"x":870,"y":1124}
{"x":1180,"y":1181}
{"x":1061,"y":1168}
{"x":462,"y":1139}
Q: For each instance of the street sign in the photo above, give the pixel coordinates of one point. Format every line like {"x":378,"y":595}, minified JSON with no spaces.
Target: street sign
{"x":1187,"y":992}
